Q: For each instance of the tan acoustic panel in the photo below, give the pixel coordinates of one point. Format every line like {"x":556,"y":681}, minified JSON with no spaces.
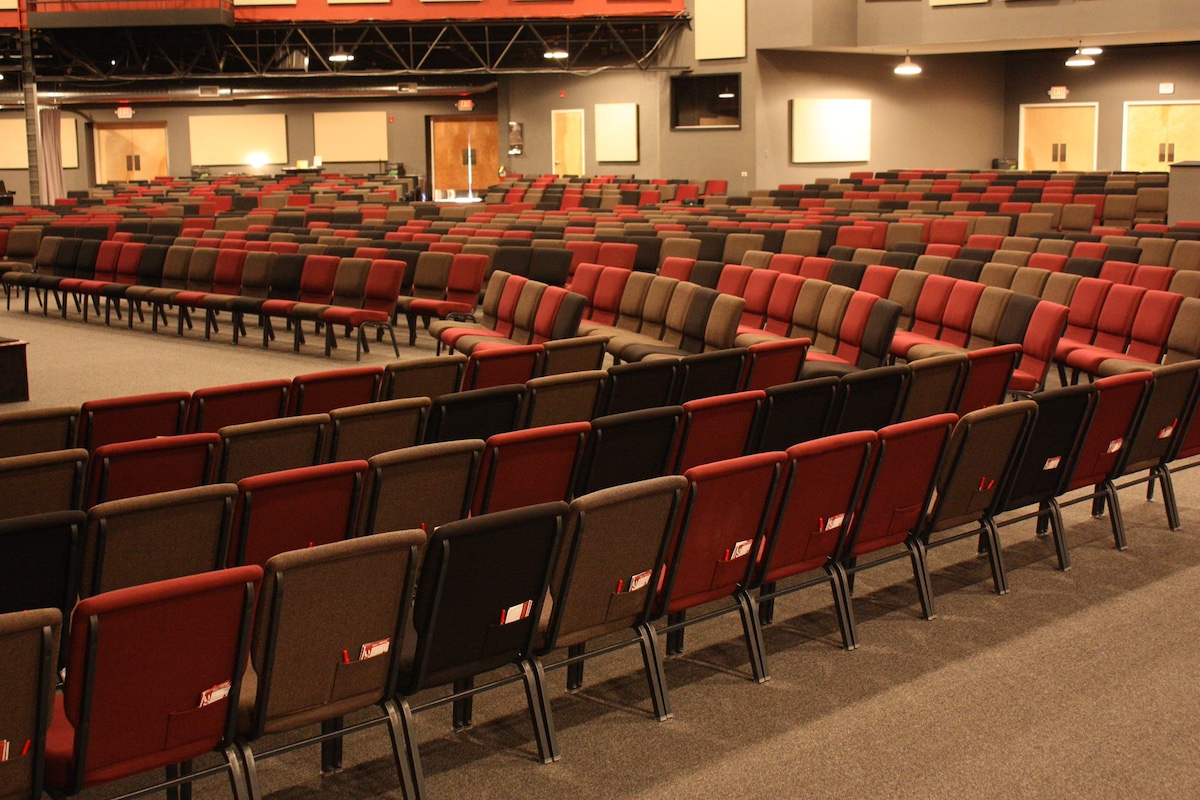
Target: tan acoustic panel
{"x":238,"y":139}
{"x":720,"y":27}
{"x":340,"y":136}
{"x":12,"y":144}
{"x":826,"y":131}
{"x":617,"y":132}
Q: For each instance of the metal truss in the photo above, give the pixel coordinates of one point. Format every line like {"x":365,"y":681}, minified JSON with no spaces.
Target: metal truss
{"x":79,"y":59}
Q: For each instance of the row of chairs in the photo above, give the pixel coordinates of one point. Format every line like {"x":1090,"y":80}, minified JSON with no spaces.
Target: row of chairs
{"x":828,"y":505}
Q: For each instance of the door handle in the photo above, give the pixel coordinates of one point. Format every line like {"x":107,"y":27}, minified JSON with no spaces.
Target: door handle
{"x":1063,"y":152}
{"x":1171,"y":152}
{"x":1054,"y":153}
{"x":1162,"y":152}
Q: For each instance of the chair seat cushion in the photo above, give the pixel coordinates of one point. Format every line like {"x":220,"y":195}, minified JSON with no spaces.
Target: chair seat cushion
{"x":339,"y":315}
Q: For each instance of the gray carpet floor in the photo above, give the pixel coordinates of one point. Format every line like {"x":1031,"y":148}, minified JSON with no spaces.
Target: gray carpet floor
{"x":1083,"y":684}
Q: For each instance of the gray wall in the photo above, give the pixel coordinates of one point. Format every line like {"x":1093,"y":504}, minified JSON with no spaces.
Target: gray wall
{"x":950,"y":116}
{"x":406,"y":135}
{"x":1118,"y":76}
{"x":530,"y":99}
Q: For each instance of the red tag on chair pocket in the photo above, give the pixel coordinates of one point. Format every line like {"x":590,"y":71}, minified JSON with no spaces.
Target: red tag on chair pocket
{"x":1052,"y":463}
{"x":517,"y":613}
{"x":372,"y":649}
{"x":739,"y":549}
{"x":218,"y":692}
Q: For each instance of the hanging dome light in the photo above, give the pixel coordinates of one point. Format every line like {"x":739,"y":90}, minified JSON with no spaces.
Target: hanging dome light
{"x":1090,"y":51}
{"x":1080,"y":59}
{"x":907,"y":66}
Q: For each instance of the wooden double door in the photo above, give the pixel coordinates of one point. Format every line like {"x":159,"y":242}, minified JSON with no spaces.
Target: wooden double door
{"x":1158,"y":135}
{"x":130,"y":151}
{"x":1059,"y":137}
{"x":464,"y":155}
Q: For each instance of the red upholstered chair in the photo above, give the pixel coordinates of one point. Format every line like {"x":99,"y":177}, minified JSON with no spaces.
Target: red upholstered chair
{"x":617,"y":254}
{"x":1042,"y":335}
{"x":927,"y":319}
{"x":760,"y":283}
{"x":726,"y":511}
{"x":316,"y":287}
{"x":147,"y":687}
{"x":148,"y":466}
{"x":123,"y":419}
{"x":1147,"y":340}
{"x":1118,"y":271}
{"x":817,"y":497}
{"x":877,"y":279}
{"x":816,"y":267}
{"x":293,"y":509}
{"x":378,"y":302}
{"x":717,"y":428}
{"x":214,"y":407}
{"x":501,"y":365}
{"x":948,"y":231}
{"x":1118,"y":406}
{"x":989,"y":371}
{"x":462,"y":293}
{"x":321,"y":392}
{"x":900,"y":482}
{"x":530,"y":466}
{"x":774,"y":363}
{"x":1153,"y":277}
{"x":1113,"y":327}
{"x":606,"y":300}
{"x":677,"y":267}
{"x":584,"y":279}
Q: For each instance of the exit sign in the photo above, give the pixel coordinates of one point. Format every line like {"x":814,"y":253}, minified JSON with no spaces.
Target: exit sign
{"x":466,"y":104}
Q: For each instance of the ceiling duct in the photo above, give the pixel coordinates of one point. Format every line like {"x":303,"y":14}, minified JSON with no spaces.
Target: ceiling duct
{"x":295,"y":61}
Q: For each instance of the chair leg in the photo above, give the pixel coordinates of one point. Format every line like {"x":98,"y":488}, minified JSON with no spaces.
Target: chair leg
{"x":675,"y":637}
{"x":656,"y":676}
{"x":995,"y":558}
{"x":412,"y":756}
{"x":1058,"y":531}
{"x":842,"y":605}
{"x":753,"y":633}
{"x":766,"y":608}
{"x":1168,"y":492}
{"x":543,"y":699}
{"x":331,"y":749}
{"x":537,"y":712}
{"x":182,"y":791}
{"x":412,"y":329}
{"x":1114,"y":514}
{"x":329,"y":341}
{"x":463,"y":707}
{"x":253,"y":788}
{"x":575,"y":670}
{"x":916,"y":552}
{"x":404,"y":750}
{"x":237,"y":774}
